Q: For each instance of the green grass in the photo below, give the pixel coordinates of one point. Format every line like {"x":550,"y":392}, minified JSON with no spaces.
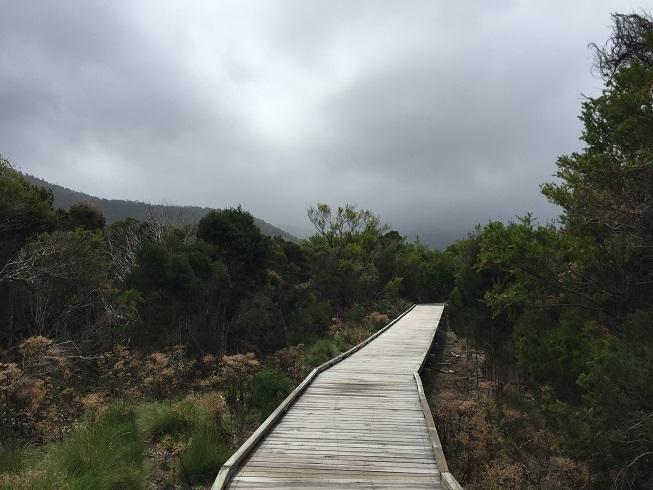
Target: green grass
{"x":156,"y":419}
{"x":15,"y":462}
{"x":14,"y":459}
{"x":206,"y":450}
{"x":204,"y":455}
{"x":109,"y":453}
{"x":105,"y":454}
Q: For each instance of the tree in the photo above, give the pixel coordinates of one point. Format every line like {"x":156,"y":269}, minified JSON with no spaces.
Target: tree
{"x":342,"y":254}
{"x":571,"y":305}
{"x":64,"y":286}
{"x":288,"y":284}
{"x":631,"y":43}
{"x":240,"y":245}
{"x":605,"y":190}
{"x":124,"y":240}
{"x":184,"y":293}
{"x":86,"y":215}
{"x":606,"y":194}
{"x":428,"y":275}
{"x":345,"y":224}
{"x":25,"y":210}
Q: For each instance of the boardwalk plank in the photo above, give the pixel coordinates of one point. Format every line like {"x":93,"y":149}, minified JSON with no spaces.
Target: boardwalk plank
{"x":358,"y":425}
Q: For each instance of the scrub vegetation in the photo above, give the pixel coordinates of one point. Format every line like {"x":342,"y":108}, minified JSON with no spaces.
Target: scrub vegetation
{"x":141,"y":353}
{"x":561,"y":315}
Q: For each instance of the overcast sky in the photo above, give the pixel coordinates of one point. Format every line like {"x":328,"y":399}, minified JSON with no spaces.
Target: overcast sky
{"x":436,"y":115}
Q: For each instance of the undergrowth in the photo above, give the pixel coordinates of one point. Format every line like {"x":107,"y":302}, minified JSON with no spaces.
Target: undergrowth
{"x":108,"y":451}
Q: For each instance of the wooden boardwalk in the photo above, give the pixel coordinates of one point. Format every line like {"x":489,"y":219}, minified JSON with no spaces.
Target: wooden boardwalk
{"x":358,"y":424}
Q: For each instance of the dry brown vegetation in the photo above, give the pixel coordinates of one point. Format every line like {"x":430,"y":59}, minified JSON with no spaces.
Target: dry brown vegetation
{"x":43,"y":383}
{"x":491,"y":443}
{"x":48,"y":391}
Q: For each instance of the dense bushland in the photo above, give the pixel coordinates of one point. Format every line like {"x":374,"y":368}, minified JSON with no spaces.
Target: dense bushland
{"x":116,"y":336}
{"x":144,"y":352}
{"x":564,"y":311}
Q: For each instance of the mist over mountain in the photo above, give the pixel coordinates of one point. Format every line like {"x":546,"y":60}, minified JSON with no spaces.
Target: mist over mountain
{"x":119,"y":209}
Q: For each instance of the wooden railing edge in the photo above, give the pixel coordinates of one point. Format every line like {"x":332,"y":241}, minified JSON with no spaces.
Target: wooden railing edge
{"x":446,"y":478}
{"x":229,"y":467}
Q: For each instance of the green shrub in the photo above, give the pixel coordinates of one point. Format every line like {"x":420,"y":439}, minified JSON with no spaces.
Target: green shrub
{"x":309,"y":321}
{"x":269,"y":388}
{"x":321,"y":351}
{"x":355,"y":314}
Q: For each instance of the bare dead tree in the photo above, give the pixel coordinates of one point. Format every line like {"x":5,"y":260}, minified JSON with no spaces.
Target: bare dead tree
{"x":124,"y":239}
{"x":65,"y":275}
{"x":166,"y":217}
{"x":42,"y":259}
{"x":629,"y":43}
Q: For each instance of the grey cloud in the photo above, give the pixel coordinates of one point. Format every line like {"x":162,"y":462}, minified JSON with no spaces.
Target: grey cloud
{"x":77,"y":79}
{"x":437,"y":115}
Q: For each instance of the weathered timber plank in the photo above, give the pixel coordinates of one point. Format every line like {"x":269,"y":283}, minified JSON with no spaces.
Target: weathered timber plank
{"x":358,"y":423}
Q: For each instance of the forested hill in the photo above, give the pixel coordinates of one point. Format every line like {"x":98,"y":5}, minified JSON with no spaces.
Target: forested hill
{"x":118,"y":209}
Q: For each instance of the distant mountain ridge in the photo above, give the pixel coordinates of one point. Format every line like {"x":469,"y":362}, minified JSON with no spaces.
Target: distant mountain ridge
{"x":119,"y":209}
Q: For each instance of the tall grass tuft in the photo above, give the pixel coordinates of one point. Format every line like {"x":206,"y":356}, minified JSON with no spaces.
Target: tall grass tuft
{"x":13,"y":459}
{"x":105,"y":454}
{"x":205,"y":454}
{"x":206,"y":449}
{"x":159,"y":418}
